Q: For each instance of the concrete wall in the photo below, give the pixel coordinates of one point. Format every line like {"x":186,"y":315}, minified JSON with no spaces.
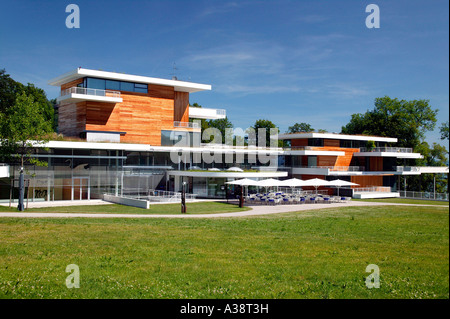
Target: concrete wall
{"x":127,"y":201}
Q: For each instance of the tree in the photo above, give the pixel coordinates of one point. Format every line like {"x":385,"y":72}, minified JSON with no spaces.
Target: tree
{"x":432,"y":156}
{"x":300,"y":127}
{"x":21,"y":125}
{"x":222,"y":125}
{"x":444,"y":131}
{"x":408,"y":121}
{"x":267,"y":125}
{"x":8,"y":94}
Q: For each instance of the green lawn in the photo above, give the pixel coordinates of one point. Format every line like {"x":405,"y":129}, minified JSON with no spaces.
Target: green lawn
{"x":405,"y":201}
{"x":192,"y":208}
{"x":310,"y":254}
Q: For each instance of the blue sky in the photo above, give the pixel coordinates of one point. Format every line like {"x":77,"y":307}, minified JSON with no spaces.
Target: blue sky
{"x":287,"y":61}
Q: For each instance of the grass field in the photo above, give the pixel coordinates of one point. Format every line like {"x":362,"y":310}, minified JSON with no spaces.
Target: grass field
{"x":310,"y":254}
{"x":192,"y":208}
{"x":405,"y":201}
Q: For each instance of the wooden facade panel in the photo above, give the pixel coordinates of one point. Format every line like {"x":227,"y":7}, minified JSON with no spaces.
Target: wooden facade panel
{"x":326,"y":160}
{"x":181,"y":111}
{"x":367,"y":181}
{"x":72,"y":118}
{"x":142,"y":116}
{"x":339,"y":161}
{"x":331,"y":142}
{"x":161,"y":92}
{"x":299,"y":142}
{"x":71,"y":84}
{"x":376,"y":164}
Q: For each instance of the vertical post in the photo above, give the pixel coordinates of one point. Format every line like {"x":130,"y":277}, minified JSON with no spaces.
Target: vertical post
{"x":404,"y":181}
{"x":183,"y":198}
{"x":28,"y":192}
{"x":11,"y":191}
{"x":434,"y":186}
{"x":21,"y":191}
{"x":241,"y":197}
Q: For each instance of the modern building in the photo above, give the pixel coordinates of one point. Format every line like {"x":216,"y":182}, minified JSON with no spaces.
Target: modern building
{"x":127,"y":135}
{"x":369,"y":161}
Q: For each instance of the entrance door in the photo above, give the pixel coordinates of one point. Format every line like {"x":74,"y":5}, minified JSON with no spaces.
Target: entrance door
{"x":81,"y":188}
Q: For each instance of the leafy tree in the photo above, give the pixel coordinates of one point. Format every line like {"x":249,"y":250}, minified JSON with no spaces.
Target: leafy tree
{"x":300,"y":127}
{"x":267,"y":125}
{"x":203,"y":123}
{"x":221,"y":125}
{"x":436,"y":155}
{"x":21,"y":125}
{"x":10,"y":88}
{"x":444,"y":131}
{"x":408,"y":121}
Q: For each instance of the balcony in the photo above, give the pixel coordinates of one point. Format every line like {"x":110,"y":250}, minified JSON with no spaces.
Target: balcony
{"x":206,"y":113}
{"x":77,"y":94}
{"x":397,"y":152}
{"x":179,"y":124}
{"x":4,"y":170}
{"x":329,"y":170}
{"x":387,"y":149}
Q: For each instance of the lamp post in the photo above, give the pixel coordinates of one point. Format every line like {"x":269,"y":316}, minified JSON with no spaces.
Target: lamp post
{"x":241,"y":198}
{"x":183,"y":198}
{"x":20,"y":207}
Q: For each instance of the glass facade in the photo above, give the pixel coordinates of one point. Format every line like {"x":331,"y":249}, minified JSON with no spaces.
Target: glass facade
{"x":181,"y":138}
{"x":102,"y":84}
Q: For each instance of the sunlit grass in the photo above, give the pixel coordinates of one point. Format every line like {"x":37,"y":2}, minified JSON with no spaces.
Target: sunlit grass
{"x":192,"y":208}
{"x":310,"y":254}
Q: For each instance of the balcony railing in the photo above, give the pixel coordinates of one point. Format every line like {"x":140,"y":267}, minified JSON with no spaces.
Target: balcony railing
{"x":206,"y":113}
{"x":341,"y":168}
{"x":87,"y":91}
{"x":185,"y":124}
{"x":424,"y":195}
{"x":221,"y":112}
{"x":407,"y":169}
{"x":387,"y":149}
{"x":372,"y":189}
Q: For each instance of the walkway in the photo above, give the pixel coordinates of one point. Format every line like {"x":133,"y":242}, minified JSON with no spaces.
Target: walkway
{"x":255,"y":211}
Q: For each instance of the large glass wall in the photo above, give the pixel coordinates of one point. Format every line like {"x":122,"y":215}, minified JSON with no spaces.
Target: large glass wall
{"x":70,"y":174}
{"x":102,"y":84}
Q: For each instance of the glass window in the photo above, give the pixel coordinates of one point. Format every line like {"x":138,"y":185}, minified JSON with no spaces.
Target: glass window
{"x":312,"y":161}
{"x":141,"y":88}
{"x":96,"y":83}
{"x":112,"y":85}
{"x":127,"y":86}
{"x":315,"y":142}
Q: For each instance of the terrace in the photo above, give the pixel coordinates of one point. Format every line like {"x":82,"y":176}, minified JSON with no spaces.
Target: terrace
{"x":206,"y":113}
{"x":78,"y":94}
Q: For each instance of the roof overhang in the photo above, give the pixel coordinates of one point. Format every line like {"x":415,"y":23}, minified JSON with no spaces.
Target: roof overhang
{"x":179,"y":86}
{"x":228,"y":174}
{"x":388,"y":154}
{"x":336,"y":137}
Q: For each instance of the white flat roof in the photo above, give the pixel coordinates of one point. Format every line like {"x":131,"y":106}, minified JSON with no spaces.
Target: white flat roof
{"x":336,"y":136}
{"x":78,"y":73}
{"x":203,"y":149}
{"x":388,"y":154}
{"x":228,"y":174}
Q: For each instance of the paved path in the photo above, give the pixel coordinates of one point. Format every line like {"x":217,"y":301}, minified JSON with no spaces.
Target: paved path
{"x":255,"y":211}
